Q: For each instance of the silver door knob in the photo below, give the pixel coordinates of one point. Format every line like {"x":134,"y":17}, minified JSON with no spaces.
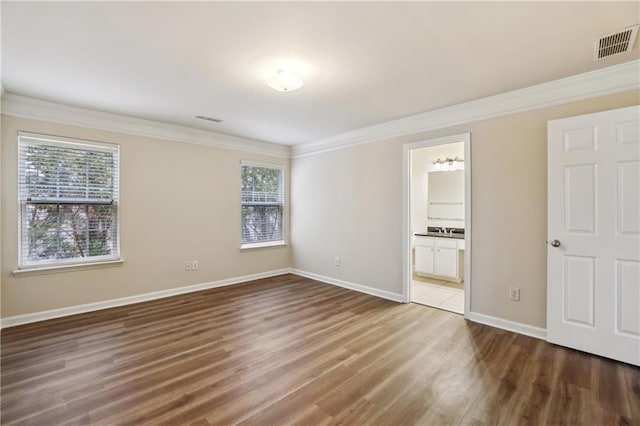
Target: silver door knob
{"x":555,"y":243}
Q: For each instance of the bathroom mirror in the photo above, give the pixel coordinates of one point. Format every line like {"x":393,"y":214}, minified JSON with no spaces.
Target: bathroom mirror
{"x":445,"y":195}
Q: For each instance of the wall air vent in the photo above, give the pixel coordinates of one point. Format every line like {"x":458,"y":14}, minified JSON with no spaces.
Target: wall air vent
{"x":615,"y":43}
{"x":204,"y":117}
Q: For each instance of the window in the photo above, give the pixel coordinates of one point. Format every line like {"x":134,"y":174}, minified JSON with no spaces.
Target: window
{"x":68,"y":198}
{"x":262,"y":205}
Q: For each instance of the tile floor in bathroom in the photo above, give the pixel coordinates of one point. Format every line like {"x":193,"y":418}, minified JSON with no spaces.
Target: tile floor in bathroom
{"x":439,"y":294}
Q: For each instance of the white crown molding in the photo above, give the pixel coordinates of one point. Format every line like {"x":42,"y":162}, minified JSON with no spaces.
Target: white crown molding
{"x":91,"y":307}
{"x":602,"y":82}
{"x":605,"y":81}
{"x":37,"y":109}
{"x":351,"y":286}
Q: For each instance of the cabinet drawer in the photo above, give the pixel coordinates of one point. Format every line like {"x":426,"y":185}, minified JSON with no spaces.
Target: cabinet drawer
{"x":446,"y":243}
{"x":424,"y":241}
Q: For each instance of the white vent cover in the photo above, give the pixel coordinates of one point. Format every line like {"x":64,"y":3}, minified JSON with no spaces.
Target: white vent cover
{"x":614,"y":43}
{"x":207,"y":118}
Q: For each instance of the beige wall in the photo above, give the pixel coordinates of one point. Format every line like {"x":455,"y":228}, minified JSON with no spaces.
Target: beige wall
{"x":179,"y":202}
{"x":1,"y":183}
{"x":348,"y":203}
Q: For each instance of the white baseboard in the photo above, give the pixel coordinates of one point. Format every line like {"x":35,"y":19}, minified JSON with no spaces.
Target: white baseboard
{"x":516,"y":327}
{"x":351,"y":286}
{"x":90,"y":307}
{"x":13,"y":321}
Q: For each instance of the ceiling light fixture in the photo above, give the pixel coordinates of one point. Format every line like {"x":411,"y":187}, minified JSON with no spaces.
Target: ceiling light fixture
{"x":285,"y":81}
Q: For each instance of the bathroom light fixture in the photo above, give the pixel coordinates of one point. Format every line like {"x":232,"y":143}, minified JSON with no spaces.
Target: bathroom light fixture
{"x":449,"y":164}
{"x":285,"y":81}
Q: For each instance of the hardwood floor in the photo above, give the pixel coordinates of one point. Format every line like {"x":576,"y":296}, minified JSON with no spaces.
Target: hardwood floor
{"x":289,"y":350}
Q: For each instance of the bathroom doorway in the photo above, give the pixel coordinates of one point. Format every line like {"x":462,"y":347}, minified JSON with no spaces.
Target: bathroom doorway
{"x":437,"y":225}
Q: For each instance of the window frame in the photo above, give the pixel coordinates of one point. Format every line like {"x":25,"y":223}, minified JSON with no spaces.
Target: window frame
{"x":266,"y":244}
{"x":25,"y":266}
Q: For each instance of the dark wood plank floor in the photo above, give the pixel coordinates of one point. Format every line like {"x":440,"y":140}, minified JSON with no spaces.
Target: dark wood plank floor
{"x":289,"y":350}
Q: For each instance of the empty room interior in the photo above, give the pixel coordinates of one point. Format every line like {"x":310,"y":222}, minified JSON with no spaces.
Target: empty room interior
{"x":360,"y":213}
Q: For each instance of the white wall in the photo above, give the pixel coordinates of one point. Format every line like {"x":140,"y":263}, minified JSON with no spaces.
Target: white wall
{"x":348,"y":202}
{"x":421,"y":164}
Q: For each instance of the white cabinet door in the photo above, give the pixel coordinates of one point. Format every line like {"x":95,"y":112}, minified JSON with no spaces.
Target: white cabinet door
{"x":446,"y":262}
{"x":593,"y":256}
{"x":424,"y":259}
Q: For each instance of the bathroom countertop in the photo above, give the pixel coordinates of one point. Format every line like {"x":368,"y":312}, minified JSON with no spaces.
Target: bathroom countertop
{"x":455,"y":235}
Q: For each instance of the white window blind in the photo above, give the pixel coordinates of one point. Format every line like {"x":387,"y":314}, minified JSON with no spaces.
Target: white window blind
{"x":68,"y":193}
{"x":262,"y":204}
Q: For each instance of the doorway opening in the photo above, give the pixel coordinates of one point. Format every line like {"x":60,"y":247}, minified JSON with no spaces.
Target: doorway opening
{"x":437,"y":223}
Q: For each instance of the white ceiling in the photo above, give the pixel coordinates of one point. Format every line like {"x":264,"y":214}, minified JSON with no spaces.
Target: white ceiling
{"x":362,"y":63}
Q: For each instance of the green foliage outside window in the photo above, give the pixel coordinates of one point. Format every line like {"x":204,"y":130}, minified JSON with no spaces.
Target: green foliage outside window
{"x":262,"y":204}
{"x":68,"y":198}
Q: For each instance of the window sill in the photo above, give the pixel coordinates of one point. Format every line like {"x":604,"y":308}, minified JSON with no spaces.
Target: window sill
{"x":255,"y":246}
{"x":66,"y":268}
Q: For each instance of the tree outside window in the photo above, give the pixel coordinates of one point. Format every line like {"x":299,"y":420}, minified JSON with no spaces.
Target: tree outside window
{"x":68,"y":196}
{"x":262,"y":204}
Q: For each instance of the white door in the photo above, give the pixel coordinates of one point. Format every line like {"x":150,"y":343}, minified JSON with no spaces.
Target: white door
{"x":593,"y":252}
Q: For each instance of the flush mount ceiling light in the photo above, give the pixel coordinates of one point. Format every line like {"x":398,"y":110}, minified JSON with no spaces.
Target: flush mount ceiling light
{"x":285,"y":81}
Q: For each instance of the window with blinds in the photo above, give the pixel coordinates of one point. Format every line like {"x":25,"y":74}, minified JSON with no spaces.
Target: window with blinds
{"x":262,"y":204}
{"x":68,"y":196}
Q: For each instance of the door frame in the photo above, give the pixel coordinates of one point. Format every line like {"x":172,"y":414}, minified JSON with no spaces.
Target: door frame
{"x":406,"y":213}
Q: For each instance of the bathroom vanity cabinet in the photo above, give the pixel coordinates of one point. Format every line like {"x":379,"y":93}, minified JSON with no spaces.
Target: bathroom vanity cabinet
{"x":439,"y":257}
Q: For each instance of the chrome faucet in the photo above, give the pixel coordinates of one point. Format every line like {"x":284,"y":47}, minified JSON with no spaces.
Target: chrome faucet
{"x":443,"y":230}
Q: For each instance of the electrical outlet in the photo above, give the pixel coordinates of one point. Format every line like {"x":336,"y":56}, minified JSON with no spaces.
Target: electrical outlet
{"x":195,"y":265}
{"x":514,"y":294}
{"x":337,"y":261}
{"x":187,"y":266}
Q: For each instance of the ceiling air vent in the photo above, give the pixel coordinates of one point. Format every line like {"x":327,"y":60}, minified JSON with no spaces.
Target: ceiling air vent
{"x":614,"y":43}
{"x":204,"y":117}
